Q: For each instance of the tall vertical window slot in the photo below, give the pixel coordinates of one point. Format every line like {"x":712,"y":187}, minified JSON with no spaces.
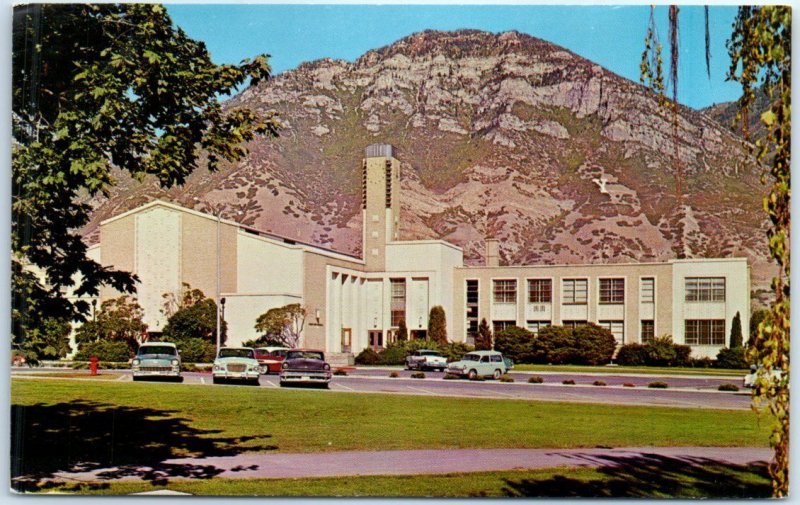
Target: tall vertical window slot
{"x":388,"y":183}
{"x":472,"y":309}
{"x":540,"y":291}
{"x":647,"y":291}
{"x":648,"y":330}
{"x":505,"y":291}
{"x":398,"y":303}
{"x":364,"y":184}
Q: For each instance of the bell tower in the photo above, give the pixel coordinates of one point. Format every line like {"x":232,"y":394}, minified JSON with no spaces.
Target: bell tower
{"x":380,"y":203}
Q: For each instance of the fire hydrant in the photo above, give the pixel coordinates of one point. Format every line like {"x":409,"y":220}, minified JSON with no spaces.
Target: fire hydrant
{"x":93,"y":365}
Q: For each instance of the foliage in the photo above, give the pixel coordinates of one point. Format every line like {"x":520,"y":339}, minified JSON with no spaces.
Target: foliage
{"x":437,"y":325}
{"x":760,"y":51}
{"x":394,"y":354}
{"x":506,"y":378}
{"x":188,"y":296}
{"x":402,"y":331}
{"x":658,"y":385}
{"x":632,"y":355}
{"x":340,"y":372}
{"x":728,"y":387}
{"x":454,"y":351}
{"x":755,"y":320}
{"x":283,"y":324}
{"x":395,"y":375}
{"x":536,"y":379}
{"x":97,"y":86}
{"x":568,"y":382}
{"x":515,"y":343}
{"x":198,"y":320}
{"x":661,"y":351}
{"x":734,"y":358}
{"x":451,"y":376}
{"x":594,"y":345}
{"x":483,"y":340}
{"x":736,"y":339}
{"x":118,"y":319}
{"x":418,"y":375}
{"x":196,"y":350}
{"x":368,"y":357}
{"x":553,"y":344}
{"x":629,"y":385}
{"x":47,"y":341}
{"x":105,"y":350}
{"x":599,"y":383}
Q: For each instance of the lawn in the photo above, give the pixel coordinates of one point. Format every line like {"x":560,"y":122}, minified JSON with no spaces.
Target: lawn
{"x":118,"y":424}
{"x":661,"y":478}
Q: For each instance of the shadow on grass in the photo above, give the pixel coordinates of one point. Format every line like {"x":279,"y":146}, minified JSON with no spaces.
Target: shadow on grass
{"x":84,"y":436}
{"x":653,"y":476}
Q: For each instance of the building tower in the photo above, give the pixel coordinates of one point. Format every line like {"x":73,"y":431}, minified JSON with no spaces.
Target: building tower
{"x":380,"y":204}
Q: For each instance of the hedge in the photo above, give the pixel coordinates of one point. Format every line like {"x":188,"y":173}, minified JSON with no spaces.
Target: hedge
{"x":587,"y":344}
{"x":104,"y":350}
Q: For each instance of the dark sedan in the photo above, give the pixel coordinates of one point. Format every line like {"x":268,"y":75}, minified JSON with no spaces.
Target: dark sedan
{"x":305,"y":366}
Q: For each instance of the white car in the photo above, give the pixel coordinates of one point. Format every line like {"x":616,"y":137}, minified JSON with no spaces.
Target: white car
{"x":750,"y":379}
{"x":236,"y":363}
{"x":426,"y":359}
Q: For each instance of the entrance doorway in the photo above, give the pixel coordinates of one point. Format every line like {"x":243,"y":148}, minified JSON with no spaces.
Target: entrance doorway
{"x":347,"y":339}
{"x":376,"y":339}
{"x":419,"y":334}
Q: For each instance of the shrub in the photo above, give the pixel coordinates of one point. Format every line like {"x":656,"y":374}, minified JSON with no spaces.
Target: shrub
{"x":450,"y":376}
{"x":553,"y":344}
{"x":196,"y":350}
{"x":418,"y":375}
{"x":598,"y":383}
{"x":340,"y":371}
{"x":728,"y":387}
{"x":731,"y":358}
{"x":437,"y":325}
{"x":658,"y":385}
{"x":413,"y":345}
{"x":368,"y":357}
{"x":683,"y":355}
{"x":661,"y":351}
{"x":477,"y":378}
{"x":629,"y":385}
{"x":594,"y":345}
{"x":701,"y":362}
{"x":568,"y":382}
{"x":394,"y":375}
{"x":105,"y":350}
{"x":535,"y":380}
{"x":483,"y":340}
{"x":515,"y":343}
{"x":454,"y":351}
{"x":506,"y":378}
{"x":736,"y":339}
{"x":394,"y":354}
{"x":632,"y":355}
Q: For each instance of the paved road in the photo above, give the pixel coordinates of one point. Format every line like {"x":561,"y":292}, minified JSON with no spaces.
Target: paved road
{"x":415,"y":462}
{"x":377,"y":381}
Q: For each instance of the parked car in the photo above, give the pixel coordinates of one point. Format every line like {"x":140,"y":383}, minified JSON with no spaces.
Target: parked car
{"x":305,"y":366}
{"x":426,"y":359}
{"x":236,"y":363}
{"x":479,"y":364}
{"x":157,"y":359}
{"x":750,"y":379}
{"x":271,"y":358}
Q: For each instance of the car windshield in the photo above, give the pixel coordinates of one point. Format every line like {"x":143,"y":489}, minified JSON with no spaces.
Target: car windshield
{"x":157,"y":349}
{"x":305,"y":354}
{"x":471,"y":357}
{"x":235,"y":353}
{"x":431,"y":353}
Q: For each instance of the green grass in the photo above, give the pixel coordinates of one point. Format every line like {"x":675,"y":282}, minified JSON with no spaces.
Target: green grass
{"x":648,"y":370}
{"x":670,"y":479}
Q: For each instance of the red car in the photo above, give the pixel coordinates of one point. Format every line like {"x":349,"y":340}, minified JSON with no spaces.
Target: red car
{"x":270,"y":359}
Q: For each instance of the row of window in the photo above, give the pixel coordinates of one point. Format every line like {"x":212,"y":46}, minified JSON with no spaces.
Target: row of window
{"x":697,"y":331}
{"x":612,"y":291}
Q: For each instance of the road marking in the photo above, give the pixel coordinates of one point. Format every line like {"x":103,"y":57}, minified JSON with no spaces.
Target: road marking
{"x":504,"y":394}
{"x":202,"y":380}
{"x":420,"y":389}
{"x":343,"y":386}
{"x":122,"y":378}
{"x":270,"y":383}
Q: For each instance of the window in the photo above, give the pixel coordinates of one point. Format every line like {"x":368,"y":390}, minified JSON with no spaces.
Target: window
{"x":472,"y":309}
{"x":502,"y":325}
{"x":495,"y":358}
{"x":540,"y":290}
{"x":647,"y":291}
{"x":612,"y":291}
{"x":648,"y":330}
{"x":705,"y":289}
{"x":505,"y":291}
{"x":574,"y":291}
{"x":398,"y":304}
{"x":535,"y":326}
{"x":705,"y":331}
{"x":617,"y":328}
{"x":572,"y":324}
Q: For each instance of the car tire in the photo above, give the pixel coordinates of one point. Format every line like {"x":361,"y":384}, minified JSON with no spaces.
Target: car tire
{"x":472,"y":374}
{"x":254,"y":382}
{"x":179,"y":379}
{"x":136,"y":379}
{"x":283,"y":384}
{"x":216,"y":380}
{"x":496,"y":375}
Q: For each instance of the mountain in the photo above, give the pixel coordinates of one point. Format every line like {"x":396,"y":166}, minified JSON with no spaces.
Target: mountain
{"x":499,"y":135}
{"x":725,"y":114}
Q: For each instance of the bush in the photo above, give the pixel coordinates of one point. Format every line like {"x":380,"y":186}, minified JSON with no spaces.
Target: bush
{"x":658,"y":385}
{"x":701,"y":362}
{"x":196,"y":350}
{"x":454,"y":351}
{"x":728,"y":387}
{"x":515,"y":343}
{"x":599,"y":383}
{"x":629,"y":385}
{"x":368,"y":357}
{"x":395,"y":354}
{"x":477,"y":378}
{"x":418,"y":375}
{"x":661,"y":352}
{"x":594,"y":345}
{"x":683,"y":355}
{"x":632,"y":355}
{"x":731,"y":358}
{"x":394,"y":375}
{"x":535,"y":380}
{"x":506,"y":378}
{"x":568,"y":382}
{"x":553,"y":344}
{"x":340,"y":371}
{"x":104,"y":350}
{"x":451,"y":376}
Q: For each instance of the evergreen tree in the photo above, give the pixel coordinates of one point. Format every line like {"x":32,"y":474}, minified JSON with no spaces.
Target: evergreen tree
{"x":402,"y":331}
{"x":483,"y":340}
{"x":437,"y":325}
{"x":736,"y":332}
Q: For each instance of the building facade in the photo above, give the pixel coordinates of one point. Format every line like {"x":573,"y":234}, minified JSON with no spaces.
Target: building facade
{"x":354,"y":302}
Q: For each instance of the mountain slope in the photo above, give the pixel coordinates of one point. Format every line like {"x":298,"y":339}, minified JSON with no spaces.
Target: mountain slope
{"x":502,"y":136}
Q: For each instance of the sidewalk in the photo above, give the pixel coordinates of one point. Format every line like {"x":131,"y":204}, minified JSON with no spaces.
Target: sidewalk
{"x":352,"y":463}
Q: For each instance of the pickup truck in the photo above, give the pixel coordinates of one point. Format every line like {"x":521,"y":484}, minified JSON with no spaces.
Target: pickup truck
{"x":426,"y":359}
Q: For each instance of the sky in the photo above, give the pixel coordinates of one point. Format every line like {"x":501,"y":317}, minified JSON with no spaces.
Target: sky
{"x":610,"y":36}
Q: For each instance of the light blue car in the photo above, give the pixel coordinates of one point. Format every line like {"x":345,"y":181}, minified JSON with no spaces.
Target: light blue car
{"x":479,"y":364}
{"x":157,"y":360}
{"x":236,"y":363}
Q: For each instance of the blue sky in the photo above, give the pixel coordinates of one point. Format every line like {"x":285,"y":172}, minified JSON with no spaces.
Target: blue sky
{"x":610,"y":36}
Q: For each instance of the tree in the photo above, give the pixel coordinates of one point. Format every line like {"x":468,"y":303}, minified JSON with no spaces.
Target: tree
{"x":198,"y":320}
{"x":755,"y":320}
{"x":483,"y":340}
{"x":437,"y":325}
{"x":283,"y":325}
{"x":594,"y":345}
{"x":515,"y":343}
{"x":187,"y":297}
{"x":736,"y":339}
{"x":402,"y":331}
{"x":118,"y":320}
{"x":94,"y":87}
{"x":48,"y":341}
